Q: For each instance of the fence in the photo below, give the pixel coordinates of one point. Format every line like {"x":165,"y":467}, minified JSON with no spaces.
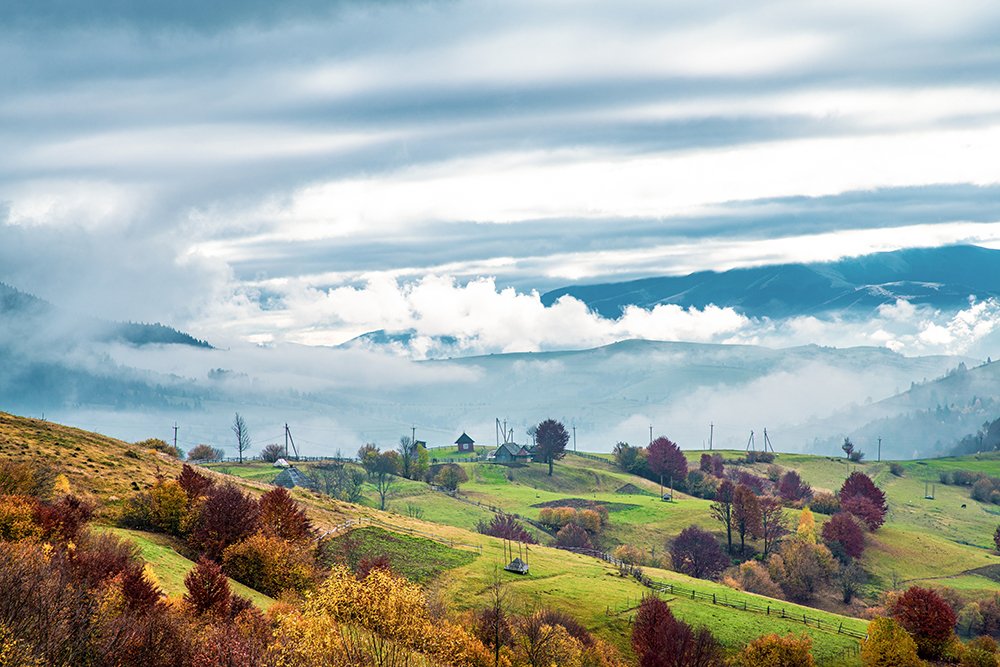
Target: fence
{"x":740,"y":604}
{"x":496,"y":510}
{"x":592,"y":457}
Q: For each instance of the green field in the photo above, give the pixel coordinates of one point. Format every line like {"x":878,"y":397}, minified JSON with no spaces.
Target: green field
{"x":417,"y":558}
{"x":170,"y":567}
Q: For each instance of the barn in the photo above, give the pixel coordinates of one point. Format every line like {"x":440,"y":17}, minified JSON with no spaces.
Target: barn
{"x":465,"y":443}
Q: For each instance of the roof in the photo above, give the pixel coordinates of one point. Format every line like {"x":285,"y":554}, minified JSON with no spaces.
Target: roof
{"x":420,"y":443}
{"x":464,"y":439}
{"x":513,"y":449}
{"x":517,"y":565}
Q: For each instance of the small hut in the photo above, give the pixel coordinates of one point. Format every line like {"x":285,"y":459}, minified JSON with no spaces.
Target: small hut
{"x":465,"y":443}
{"x":517,"y":565}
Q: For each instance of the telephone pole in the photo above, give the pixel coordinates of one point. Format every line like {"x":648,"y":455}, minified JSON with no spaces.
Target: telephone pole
{"x":574,"y":438}
{"x":880,"y":449}
{"x":711,"y":434}
{"x":175,"y":435}
{"x":286,"y":441}
{"x":651,"y":442}
{"x":413,"y":435}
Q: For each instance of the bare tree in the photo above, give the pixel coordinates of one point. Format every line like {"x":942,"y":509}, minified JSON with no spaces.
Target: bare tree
{"x":383,"y":475}
{"x":242,"y":435}
{"x":407,"y":455}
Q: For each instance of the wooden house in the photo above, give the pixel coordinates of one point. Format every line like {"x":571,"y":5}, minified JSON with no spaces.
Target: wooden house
{"x":465,"y":443}
{"x":510,"y":452}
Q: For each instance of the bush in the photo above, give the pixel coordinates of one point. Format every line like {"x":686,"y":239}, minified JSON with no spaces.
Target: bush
{"x":896,"y":469}
{"x":269,"y":564}
{"x":629,"y":554}
{"x":927,"y":617}
{"x":280,"y":516}
{"x":17,"y":518}
{"x":205,"y":453}
{"x":801,"y":568}
{"x":773,"y":650}
{"x":825,"y":503}
{"x":168,"y":505}
{"x":207,"y":589}
{"x":980,"y":652}
{"x":574,"y":537}
{"x":21,"y":478}
{"x":752,"y":577}
{"x":160,"y":446}
{"x":696,"y":553}
{"x":792,"y":488}
{"x":195,"y":484}
{"x":888,"y":645}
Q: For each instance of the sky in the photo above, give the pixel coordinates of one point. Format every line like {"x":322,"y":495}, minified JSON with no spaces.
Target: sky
{"x":307,"y":172}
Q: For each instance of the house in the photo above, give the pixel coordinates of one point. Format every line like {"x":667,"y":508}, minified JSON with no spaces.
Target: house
{"x":510,"y":452}
{"x":465,"y":443}
{"x":292,"y":477}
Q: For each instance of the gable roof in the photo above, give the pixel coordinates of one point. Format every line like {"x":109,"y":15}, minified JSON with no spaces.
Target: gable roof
{"x":464,"y":439}
{"x":513,"y":449}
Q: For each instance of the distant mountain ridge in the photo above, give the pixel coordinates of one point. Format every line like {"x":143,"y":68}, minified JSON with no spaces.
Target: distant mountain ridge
{"x":39,"y":313}
{"x":942,"y":277}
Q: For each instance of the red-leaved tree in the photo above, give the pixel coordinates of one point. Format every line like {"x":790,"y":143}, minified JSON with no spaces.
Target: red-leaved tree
{"x":666,"y":460}
{"x":660,"y":640}
{"x":281,"y":516}
{"x":746,"y":514}
{"x":697,"y":553}
{"x":844,"y":536}
{"x":792,"y":488}
{"x":574,"y":537}
{"x":863,"y":499}
{"x":226,"y":517}
{"x":195,"y":484}
{"x":208,"y":589}
{"x":927,"y":617}
{"x":507,"y":527}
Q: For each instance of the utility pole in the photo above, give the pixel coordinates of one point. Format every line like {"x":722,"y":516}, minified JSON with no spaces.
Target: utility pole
{"x":413,"y":435}
{"x":175,"y":435}
{"x":574,"y":438}
{"x":711,"y":434}
{"x":880,"y":449}
{"x":286,"y":441}
{"x":651,"y":442}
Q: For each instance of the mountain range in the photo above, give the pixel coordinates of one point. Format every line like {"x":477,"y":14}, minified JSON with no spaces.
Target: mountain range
{"x":943,"y":278}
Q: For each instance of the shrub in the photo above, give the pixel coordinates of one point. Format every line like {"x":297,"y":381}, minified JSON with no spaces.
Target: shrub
{"x":982,"y":491}
{"x":660,"y":640}
{"x":776,"y":651}
{"x":160,"y":446}
{"x":574,"y":537}
{"x":980,"y":652}
{"x":205,"y":453}
{"x":696,"y":553}
{"x":168,"y":504}
{"x":506,"y":527}
{"x":629,"y":554}
{"x":754,"y":482}
{"x":17,"y":518}
{"x":927,"y":617}
{"x":64,"y":518}
{"x":888,"y":645}
{"x":844,"y":537}
{"x":137,"y":511}
{"x":22,"y":478}
{"x":269,"y":564}
{"x":825,"y":503}
{"x":271,"y":453}
{"x":801,"y":568}
{"x":752,"y":577}
{"x":450,"y":476}
{"x":897,"y":469}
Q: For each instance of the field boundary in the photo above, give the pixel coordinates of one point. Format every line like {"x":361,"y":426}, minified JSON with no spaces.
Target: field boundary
{"x":351,"y":524}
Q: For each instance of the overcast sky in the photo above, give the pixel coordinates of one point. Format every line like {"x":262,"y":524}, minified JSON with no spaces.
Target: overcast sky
{"x":310,"y":172}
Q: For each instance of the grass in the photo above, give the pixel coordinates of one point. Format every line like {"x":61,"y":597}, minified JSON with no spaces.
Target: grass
{"x":170,"y":567}
{"x":416,"y":558}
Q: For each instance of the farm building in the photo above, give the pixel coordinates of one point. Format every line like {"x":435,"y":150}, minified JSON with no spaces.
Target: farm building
{"x":510,"y":452}
{"x":465,"y":443}
{"x":292,"y":477}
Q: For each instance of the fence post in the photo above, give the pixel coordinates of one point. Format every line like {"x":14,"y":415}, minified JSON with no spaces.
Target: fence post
{"x":713,"y":598}
{"x":768,"y":610}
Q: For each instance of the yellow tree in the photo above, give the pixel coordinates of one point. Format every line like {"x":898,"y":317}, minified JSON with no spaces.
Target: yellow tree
{"x":888,"y":645}
{"x":776,"y":651}
{"x":807,"y":526}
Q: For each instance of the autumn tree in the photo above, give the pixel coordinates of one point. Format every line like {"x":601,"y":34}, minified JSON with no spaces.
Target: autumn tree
{"x":862,"y":498}
{"x":844,"y":536}
{"x":927,"y":617}
{"x":207,"y":589}
{"x":773,"y":523}
{"x":888,"y":645}
{"x":195,"y":484}
{"x":450,"y":476}
{"x":792,"y":488}
{"x":551,"y":439}
{"x":205,"y":453}
{"x":630,"y":459}
{"x":666,"y":460}
{"x":806,"y":530}
{"x":382,"y":472}
{"x":660,"y":640}
{"x":281,"y":516}
{"x":506,"y":527}
{"x":242,"y":433}
{"x":746,"y":514}
{"x":722,"y":509}
{"x":776,"y":651}
{"x":226,"y":517}
{"x":996,"y":538}
{"x":573,"y":536}
{"x":696,"y":553}
{"x":801,"y":568}
{"x":270,"y":564}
